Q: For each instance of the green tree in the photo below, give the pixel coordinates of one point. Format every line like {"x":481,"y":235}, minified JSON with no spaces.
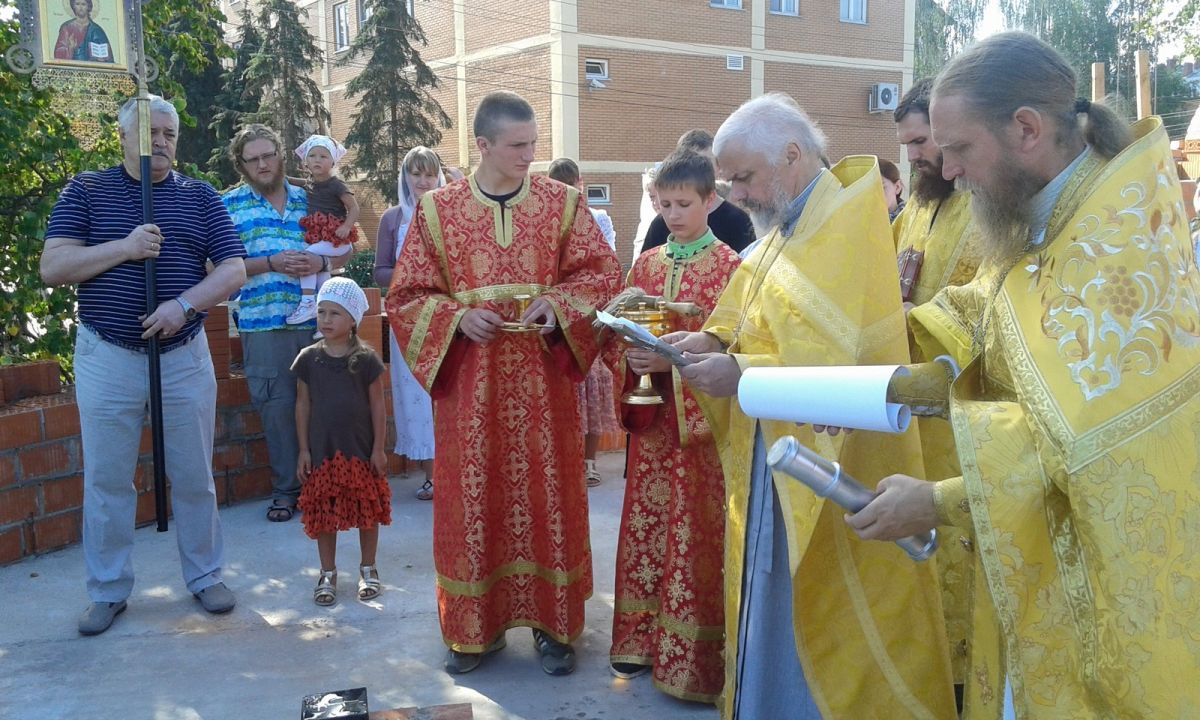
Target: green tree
{"x":236,"y":101}
{"x":187,"y":42}
{"x":943,"y":28}
{"x":396,"y":110}
{"x":41,"y":155}
{"x":1174,"y":99}
{"x":196,"y":79}
{"x":281,"y":73}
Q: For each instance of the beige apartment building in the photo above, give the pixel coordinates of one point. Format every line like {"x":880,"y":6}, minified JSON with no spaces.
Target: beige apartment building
{"x":616,"y":82}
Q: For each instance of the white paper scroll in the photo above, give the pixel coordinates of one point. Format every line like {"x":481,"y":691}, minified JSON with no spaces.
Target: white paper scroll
{"x":848,"y":397}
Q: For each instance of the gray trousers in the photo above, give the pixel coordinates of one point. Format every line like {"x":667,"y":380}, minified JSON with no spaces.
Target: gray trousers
{"x":112,"y":388}
{"x":268,"y":365}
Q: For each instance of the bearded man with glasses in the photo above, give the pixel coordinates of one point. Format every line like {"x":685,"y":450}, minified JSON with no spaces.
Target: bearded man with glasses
{"x":266,"y":210}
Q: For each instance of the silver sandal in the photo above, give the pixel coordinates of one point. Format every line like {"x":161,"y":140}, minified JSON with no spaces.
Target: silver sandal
{"x":325,"y":594}
{"x":369,"y":586}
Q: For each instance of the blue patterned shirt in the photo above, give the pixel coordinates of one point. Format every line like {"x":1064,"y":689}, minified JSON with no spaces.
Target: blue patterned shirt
{"x":268,"y":298}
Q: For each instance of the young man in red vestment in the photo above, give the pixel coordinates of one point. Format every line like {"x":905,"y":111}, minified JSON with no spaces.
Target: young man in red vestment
{"x":491,"y":302}
{"x":668,"y":613}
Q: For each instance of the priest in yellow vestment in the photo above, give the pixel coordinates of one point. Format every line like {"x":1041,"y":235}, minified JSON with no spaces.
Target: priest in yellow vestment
{"x":818,"y":623}
{"x":937,"y":246}
{"x":1077,"y":416}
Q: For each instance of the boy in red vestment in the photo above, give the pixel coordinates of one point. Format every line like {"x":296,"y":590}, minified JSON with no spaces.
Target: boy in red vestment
{"x":668,"y":613}
{"x":491,"y":303}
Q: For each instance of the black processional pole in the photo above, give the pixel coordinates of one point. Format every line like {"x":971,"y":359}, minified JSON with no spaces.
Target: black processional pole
{"x":145,"y":152}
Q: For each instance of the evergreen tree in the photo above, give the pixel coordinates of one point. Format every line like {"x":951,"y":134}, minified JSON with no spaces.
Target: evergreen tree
{"x":236,"y":100}
{"x":396,"y":110}
{"x":281,"y":74}
{"x":199,"y":84}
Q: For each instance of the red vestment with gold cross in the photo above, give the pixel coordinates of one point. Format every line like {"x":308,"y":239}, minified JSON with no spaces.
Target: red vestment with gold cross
{"x":669,"y":599}
{"x":510,"y":510}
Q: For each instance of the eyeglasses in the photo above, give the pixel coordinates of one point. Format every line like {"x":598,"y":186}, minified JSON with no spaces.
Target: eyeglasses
{"x":258,"y":159}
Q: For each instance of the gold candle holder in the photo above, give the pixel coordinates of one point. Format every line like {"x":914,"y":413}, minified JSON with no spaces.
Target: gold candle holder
{"x":657,"y":321}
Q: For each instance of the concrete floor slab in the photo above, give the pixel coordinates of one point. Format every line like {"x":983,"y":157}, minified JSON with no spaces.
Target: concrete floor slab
{"x":166,"y":659}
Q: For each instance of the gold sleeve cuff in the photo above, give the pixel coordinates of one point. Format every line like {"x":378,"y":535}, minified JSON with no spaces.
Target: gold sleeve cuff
{"x":950,"y":502}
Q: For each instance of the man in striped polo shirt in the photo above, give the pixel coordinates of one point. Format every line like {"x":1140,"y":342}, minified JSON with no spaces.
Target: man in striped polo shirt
{"x":266,"y":211}
{"x":95,"y":239}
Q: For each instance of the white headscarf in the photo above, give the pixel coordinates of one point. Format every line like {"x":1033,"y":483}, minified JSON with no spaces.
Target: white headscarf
{"x":408,"y":205}
{"x":336,"y":151}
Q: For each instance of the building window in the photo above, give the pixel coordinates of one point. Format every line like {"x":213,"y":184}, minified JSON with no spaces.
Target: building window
{"x":598,"y":195}
{"x":735,"y":62}
{"x":854,"y":11}
{"x":341,"y":26}
{"x":364,"y":11}
{"x":730,"y":4}
{"x":785,"y":7}
{"x":595,"y":69}
{"x":411,"y":7}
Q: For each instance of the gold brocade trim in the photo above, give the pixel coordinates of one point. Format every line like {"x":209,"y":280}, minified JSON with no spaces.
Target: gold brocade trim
{"x":435,"y":231}
{"x":1080,"y":450}
{"x":866,"y":622}
{"x":521,"y":567}
{"x":823,"y":312}
{"x":519,"y":622}
{"x":680,"y":410}
{"x":691,"y":631}
{"x":569,"y":210}
{"x":884,"y":331}
{"x":1073,"y":573}
{"x":498,"y":292}
{"x":444,"y":348}
{"x":503,"y":220}
{"x":985,"y":533}
{"x":684,"y":694}
{"x":634,"y":659}
{"x":634,"y":606}
{"x":561,"y":319}
{"x":420,"y":329}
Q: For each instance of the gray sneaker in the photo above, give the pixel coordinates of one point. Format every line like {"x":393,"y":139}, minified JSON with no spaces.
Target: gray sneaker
{"x":99,"y":617}
{"x":557,"y":658}
{"x":216,"y":599}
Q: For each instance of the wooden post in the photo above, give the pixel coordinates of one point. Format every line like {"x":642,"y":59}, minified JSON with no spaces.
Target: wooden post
{"x":1144,"y":107}
{"x":1097,"y":82}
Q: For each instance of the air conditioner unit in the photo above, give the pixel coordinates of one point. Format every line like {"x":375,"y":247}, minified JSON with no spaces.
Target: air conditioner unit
{"x":884,"y":97}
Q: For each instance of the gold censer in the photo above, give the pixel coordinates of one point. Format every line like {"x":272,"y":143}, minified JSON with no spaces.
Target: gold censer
{"x":655,"y":319}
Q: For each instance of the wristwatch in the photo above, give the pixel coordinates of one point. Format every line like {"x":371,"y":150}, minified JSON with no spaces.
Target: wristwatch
{"x":189,"y":312}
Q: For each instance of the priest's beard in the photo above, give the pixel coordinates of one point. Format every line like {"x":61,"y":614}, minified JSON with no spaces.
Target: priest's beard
{"x":1004,"y":211}
{"x":768,"y":214}
{"x":930,"y":186}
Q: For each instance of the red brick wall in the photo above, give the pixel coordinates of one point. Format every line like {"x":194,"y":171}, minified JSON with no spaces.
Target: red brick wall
{"x":819,"y":30}
{"x":496,"y":22}
{"x":837,"y":99}
{"x":690,"y":22}
{"x":526,"y":73}
{"x":436,"y":18}
{"x":41,"y":453}
{"x":625,"y":192}
{"x":650,"y":100}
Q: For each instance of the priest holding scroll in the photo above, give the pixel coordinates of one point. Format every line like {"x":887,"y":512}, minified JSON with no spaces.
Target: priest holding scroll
{"x":1076,"y":414}
{"x":818,"y":623}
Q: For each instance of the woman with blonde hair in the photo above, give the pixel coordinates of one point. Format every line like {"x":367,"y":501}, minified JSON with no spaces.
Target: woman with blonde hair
{"x":420,"y":172}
